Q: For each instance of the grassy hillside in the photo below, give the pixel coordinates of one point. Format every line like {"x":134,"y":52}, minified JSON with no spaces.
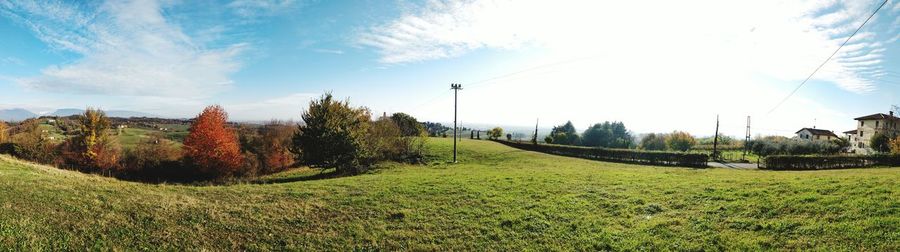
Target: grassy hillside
{"x":497,"y":198}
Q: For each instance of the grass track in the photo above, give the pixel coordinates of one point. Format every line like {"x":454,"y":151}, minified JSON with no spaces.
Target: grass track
{"x":496,"y":198}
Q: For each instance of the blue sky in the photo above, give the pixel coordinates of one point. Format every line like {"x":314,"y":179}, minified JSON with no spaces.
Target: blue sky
{"x":658,"y":65}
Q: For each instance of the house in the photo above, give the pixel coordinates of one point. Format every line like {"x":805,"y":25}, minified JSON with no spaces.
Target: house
{"x":868,"y":126}
{"x":816,"y":134}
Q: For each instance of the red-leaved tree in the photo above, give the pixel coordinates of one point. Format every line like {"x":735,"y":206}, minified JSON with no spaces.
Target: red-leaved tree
{"x":211,"y":144}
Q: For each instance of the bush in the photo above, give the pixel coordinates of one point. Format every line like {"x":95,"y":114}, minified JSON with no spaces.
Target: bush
{"x":332,"y":135}
{"x":495,"y":133}
{"x":653,"y":141}
{"x":211,"y":146}
{"x":156,"y":159}
{"x":3,"y":134}
{"x":618,"y":155}
{"x":791,"y":162}
{"x":387,"y":141}
{"x":30,"y":144}
{"x":565,"y":134}
{"x":548,"y":139}
{"x":607,"y":134}
{"x":680,"y":141}
{"x":267,"y":148}
{"x":784,"y":146}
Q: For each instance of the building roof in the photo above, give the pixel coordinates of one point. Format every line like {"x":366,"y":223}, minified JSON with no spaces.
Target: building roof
{"x":818,"y":132}
{"x":876,"y":117}
{"x":851,"y":132}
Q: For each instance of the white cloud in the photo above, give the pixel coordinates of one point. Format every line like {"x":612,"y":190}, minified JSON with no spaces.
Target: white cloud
{"x":127,"y":48}
{"x":785,"y":40}
{"x":329,"y":51}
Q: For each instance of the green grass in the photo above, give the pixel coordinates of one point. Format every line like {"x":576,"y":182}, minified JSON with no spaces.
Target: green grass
{"x":496,"y":198}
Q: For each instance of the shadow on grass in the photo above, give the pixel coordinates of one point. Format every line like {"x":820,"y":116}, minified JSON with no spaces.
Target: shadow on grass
{"x":324,"y":174}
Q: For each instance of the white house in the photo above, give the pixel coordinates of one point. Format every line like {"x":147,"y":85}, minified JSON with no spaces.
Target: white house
{"x":816,"y":134}
{"x":868,"y":126}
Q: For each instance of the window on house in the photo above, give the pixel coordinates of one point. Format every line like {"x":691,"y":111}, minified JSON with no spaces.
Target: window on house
{"x":862,"y":123}
{"x":876,"y":124}
{"x":860,"y":134}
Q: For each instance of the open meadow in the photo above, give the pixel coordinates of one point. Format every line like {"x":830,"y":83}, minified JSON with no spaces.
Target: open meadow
{"x":496,"y":198}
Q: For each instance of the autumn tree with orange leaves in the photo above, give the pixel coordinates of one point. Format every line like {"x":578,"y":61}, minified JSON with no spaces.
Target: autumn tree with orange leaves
{"x":211,"y":145}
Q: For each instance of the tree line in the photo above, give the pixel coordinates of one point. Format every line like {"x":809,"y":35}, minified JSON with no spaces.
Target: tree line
{"x":616,"y":135}
{"x":333,"y":134}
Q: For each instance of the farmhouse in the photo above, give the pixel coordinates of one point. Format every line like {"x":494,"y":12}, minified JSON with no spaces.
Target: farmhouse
{"x":816,"y":134}
{"x":868,"y":126}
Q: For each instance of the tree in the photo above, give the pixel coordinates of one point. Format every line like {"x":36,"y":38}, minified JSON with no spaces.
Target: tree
{"x":895,"y":145}
{"x":607,"y":134}
{"x":565,"y":134}
{"x":267,"y":148}
{"x":508,"y":137}
{"x":653,"y":141}
{"x":495,"y":133}
{"x":92,"y":148}
{"x":408,"y":125}
{"x":30,"y":143}
{"x":548,"y":139}
{"x":332,"y":135}
{"x":880,"y":142}
{"x":680,"y":141}
{"x":211,"y":145}
{"x":3,"y":134}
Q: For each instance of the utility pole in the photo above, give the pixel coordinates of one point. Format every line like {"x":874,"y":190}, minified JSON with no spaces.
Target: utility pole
{"x":535,"y":140}
{"x":747,"y":140}
{"x":716,"y":140}
{"x":456,"y":87}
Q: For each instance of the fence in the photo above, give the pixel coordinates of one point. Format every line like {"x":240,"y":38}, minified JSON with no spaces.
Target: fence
{"x":617,"y":155}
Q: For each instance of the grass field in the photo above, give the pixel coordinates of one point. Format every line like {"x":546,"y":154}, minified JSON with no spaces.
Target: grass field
{"x":496,"y":198}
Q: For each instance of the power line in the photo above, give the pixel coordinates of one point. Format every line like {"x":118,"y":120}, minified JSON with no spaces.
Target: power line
{"x":829,"y":58}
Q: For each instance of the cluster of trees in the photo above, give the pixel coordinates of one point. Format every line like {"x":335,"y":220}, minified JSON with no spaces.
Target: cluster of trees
{"x":616,"y":135}
{"x":333,"y":135}
{"x":675,"y":141}
{"x":779,"y":145}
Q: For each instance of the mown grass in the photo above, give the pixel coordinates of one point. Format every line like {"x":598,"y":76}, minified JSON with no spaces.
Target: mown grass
{"x":496,"y":198}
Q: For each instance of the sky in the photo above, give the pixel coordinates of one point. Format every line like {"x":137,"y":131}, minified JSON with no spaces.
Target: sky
{"x":657,"y":66}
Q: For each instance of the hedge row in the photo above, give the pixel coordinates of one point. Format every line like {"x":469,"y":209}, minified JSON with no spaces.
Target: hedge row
{"x":789,"y":162}
{"x":617,"y":155}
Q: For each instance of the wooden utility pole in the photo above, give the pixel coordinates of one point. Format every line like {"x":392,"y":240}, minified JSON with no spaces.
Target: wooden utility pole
{"x":716,"y":140}
{"x":535,"y":140}
{"x":456,"y":87}
{"x":746,"y":140}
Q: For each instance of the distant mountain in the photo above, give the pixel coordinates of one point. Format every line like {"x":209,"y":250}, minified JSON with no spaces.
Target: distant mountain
{"x":110,"y":113}
{"x":16,"y":114}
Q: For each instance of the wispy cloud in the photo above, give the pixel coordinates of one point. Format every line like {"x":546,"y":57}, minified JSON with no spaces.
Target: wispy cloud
{"x":13,"y":61}
{"x":329,"y":51}
{"x":259,"y":8}
{"x":127,"y":48}
{"x":785,"y":40}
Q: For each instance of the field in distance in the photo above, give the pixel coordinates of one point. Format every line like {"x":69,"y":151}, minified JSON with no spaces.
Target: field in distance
{"x":496,"y":198}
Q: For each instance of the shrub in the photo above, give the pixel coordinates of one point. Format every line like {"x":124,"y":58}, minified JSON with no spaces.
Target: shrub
{"x":29,"y":143}
{"x":156,"y":159}
{"x":680,"y":141}
{"x":92,"y":148}
{"x":3,"y":134}
{"x":211,"y":146}
{"x":495,"y":133}
{"x":618,"y":155}
{"x":653,"y":141}
{"x":548,"y":139}
{"x":768,"y":146}
{"x":332,"y":135}
{"x":267,"y":148}
{"x":508,"y":137}
{"x":823,"y":162}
